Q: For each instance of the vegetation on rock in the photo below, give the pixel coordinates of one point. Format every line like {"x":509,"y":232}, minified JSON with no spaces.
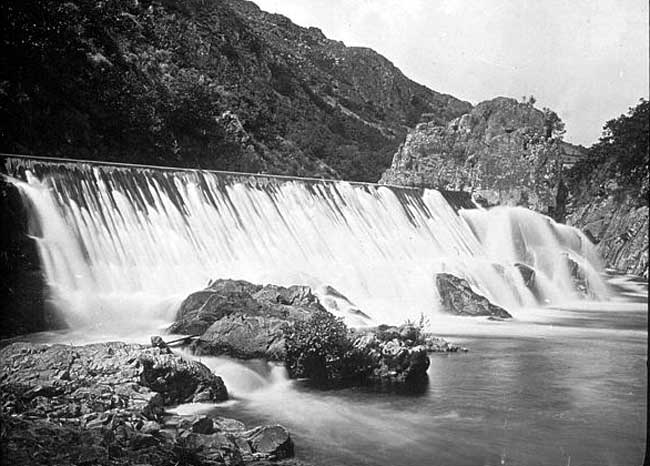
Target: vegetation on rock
{"x":320,"y":349}
{"x":219,"y":85}
{"x":609,"y":191}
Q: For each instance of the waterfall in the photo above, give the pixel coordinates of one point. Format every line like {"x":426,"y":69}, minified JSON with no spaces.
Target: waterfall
{"x":122,"y":243}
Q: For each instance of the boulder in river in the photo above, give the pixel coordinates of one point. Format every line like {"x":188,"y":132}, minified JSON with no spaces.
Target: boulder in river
{"x":225,"y":297}
{"x":457,"y":297}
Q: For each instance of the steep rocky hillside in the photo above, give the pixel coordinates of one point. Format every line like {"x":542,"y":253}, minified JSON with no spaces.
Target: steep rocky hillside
{"x":609,"y":191}
{"x":503,"y":151}
{"x":201,"y":83}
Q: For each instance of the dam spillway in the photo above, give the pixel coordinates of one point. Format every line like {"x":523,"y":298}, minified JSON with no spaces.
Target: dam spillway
{"x":124,"y":243}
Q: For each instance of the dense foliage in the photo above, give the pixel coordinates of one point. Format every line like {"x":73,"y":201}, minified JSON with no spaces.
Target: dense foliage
{"x":321,"y":350}
{"x":151,"y":82}
{"x":618,"y":162}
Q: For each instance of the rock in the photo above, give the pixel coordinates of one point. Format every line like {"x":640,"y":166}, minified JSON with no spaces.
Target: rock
{"x":395,"y":355}
{"x":618,"y":226}
{"x":150,"y":428}
{"x":215,"y":448}
{"x":457,"y":297}
{"x":502,"y":151}
{"x":225,"y":297}
{"x":101,"y":377}
{"x":271,"y":441}
{"x":180,"y":380}
{"x":202,"y":309}
{"x":244,"y":320}
{"x":225,"y":424}
{"x":203,"y":425}
{"x":244,"y":336}
{"x":107,"y":409}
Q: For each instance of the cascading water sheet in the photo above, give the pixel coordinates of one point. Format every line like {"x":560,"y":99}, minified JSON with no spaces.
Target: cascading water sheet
{"x":120,"y":243}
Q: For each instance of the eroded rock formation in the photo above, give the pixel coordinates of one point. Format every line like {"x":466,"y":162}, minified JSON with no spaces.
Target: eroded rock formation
{"x":503,"y":151}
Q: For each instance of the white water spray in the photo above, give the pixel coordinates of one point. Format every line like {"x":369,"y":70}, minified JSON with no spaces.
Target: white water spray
{"x":120,"y":244}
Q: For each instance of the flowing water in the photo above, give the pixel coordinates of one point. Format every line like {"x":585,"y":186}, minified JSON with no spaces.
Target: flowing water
{"x":118,"y":242}
{"x":558,"y":387}
{"x":564,"y":383}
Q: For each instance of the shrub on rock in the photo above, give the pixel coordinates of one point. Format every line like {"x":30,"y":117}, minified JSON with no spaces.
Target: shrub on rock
{"x":321,"y":350}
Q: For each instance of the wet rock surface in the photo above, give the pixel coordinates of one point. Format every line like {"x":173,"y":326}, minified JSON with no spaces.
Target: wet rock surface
{"x":457,"y":297}
{"x":105,"y":404}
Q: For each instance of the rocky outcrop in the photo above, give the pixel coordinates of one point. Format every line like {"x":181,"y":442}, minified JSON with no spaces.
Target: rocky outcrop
{"x":288,"y":324}
{"x":105,"y":404}
{"x":618,"y":226}
{"x":243,"y":320}
{"x":457,"y":297}
{"x":503,"y":151}
{"x":71,"y":381}
{"x":609,"y":192}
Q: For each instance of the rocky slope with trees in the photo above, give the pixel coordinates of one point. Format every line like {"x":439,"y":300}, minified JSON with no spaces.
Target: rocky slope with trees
{"x":609,"y":191}
{"x":216,"y":85}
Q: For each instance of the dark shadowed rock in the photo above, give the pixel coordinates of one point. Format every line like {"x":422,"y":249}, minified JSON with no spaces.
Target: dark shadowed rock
{"x":457,"y":297}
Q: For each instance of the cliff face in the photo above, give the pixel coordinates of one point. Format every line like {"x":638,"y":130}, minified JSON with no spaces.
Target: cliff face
{"x":619,"y":227}
{"x":210,"y":84}
{"x":502,"y":151}
{"x":609,"y":191}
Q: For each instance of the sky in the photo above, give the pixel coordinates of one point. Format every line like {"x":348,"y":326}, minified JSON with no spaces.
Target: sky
{"x":585,"y":59}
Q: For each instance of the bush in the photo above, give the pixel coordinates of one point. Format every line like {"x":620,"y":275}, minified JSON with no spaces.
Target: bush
{"x":321,"y":350}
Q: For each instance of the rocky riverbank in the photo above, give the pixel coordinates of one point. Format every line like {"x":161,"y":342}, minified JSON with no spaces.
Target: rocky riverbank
{"x":105,"y":404}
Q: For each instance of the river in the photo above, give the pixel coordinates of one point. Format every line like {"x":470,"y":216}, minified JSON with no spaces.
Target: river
{"x":555,"y":387}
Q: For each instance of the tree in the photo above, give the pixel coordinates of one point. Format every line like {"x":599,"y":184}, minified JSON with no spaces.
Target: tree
{"x":553,"y":125}
{"x":621,"y":154}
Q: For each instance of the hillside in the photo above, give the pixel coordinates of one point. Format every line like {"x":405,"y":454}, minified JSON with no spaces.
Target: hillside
{"x":609,"y":191}
{"x":200,"y":83}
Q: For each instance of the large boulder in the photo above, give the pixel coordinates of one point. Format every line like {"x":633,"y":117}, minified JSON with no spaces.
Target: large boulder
{"x":244,"y":320}
{"x":244,"y":336}
{"x":457,"y":297}
{"x":225,"y":297}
